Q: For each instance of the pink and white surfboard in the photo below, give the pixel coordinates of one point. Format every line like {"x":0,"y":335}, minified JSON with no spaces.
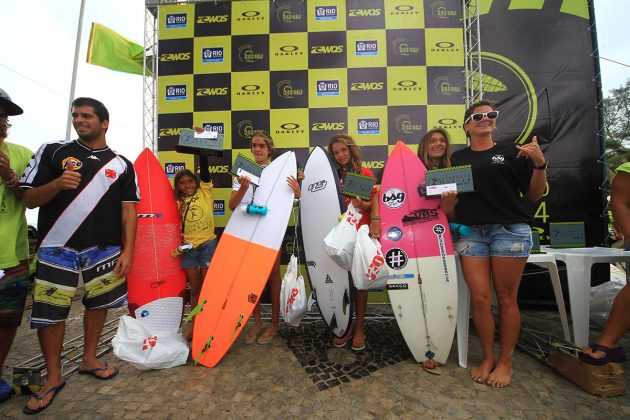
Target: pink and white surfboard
{"x":418,"y":250}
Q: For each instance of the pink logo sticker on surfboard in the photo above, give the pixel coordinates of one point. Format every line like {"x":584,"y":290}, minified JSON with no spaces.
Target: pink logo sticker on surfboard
{"x":418,"y":251}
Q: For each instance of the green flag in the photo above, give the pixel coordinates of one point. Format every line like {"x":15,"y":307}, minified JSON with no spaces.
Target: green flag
{"x":113,"y":51}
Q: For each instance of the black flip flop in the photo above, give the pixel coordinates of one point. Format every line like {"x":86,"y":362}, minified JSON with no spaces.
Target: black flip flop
{"x":616,"y":355}
{"x":92,"y":372}
{"x":55,"y":389}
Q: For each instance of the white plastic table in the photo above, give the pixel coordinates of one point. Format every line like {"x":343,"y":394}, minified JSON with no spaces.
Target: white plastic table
{"x":579,"y":262}
{"x":463,"y":303}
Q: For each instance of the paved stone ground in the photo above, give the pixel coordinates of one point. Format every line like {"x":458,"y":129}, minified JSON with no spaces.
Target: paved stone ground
{"x":296,"y":377}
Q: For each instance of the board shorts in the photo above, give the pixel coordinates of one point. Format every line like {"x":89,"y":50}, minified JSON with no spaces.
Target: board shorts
{"x":199,"y":257}
{"x":513,"y":240}
{"x":14,"y":285}
{"x":57,"y":279}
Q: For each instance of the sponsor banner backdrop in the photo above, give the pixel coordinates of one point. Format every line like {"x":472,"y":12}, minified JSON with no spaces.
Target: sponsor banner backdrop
{"x":380,"y":70}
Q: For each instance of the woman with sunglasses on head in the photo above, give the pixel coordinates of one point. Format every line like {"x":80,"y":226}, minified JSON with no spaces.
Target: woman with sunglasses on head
{"x":500,"y":240}
{"x":347,"y":156}
{"x":243,"y":191}
{"x":434,"y":149}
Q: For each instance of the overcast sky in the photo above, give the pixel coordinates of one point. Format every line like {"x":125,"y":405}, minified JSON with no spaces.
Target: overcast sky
{"x":38,"y":38}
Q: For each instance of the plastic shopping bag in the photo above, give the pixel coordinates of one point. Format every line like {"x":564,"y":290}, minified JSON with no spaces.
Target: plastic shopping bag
{"x":145,"y":350}
{"x":292,"y":294}
{"x":340,"y":240}
{"x":369,"y":271}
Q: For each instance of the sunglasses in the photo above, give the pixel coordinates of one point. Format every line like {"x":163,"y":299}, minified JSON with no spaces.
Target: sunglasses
{"x":492,"y":115}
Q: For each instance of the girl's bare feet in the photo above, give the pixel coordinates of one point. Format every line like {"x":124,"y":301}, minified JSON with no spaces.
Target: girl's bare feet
{"x":481,"y":372}
{"x":501,"y":375}
{"x":253,"y":333}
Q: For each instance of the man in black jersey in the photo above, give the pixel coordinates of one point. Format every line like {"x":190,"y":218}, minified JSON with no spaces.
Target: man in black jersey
{"x":87,"y":196}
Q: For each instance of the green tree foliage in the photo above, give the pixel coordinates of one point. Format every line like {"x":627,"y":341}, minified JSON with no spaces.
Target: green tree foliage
{"x":617,"y":125}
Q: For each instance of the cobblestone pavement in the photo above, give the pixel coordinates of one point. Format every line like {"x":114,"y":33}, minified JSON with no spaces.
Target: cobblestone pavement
{"x":300,"y":375}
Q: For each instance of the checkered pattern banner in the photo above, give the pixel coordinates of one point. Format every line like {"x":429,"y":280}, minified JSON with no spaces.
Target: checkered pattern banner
{"x":381,"y":70}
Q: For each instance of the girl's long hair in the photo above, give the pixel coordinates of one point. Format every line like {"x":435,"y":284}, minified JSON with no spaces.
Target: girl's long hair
{"x":423,"y":149}
{"x":355,"y":152}
{"x":179,"y":175}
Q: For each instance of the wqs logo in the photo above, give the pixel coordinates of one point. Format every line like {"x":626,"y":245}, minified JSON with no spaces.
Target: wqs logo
{"x":326,"y":13}
{"x":173,"y":57}
{"x":328,"y":88}
{"x":212,"y":55}
{"x":369,"y":126}
{"x":176,"y":20}
{"x":215,"y":91}
{"x":212,"y":19}
{"x":327,"y":49}
{"x":366,"y":86}
{"x":364,"y":12}
{"x":328,"y":126}
{"x":363,"y":48}
{"x":176,"y":92}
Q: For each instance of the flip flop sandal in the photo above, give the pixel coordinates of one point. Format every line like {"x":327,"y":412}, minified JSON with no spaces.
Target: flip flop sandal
{"x":435,"y":371}
{"x":92,"y":372}
{"x":360,"y":347}
{"x":340,"y":344}
{"x":55,"y":390}
{"x":616,"y":355}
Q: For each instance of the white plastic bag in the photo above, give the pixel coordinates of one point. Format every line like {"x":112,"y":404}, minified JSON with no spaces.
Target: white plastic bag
{"x":292,"y":294}
{"x":146,"y":350}
{"x":340,"y":240}
{"x":369,"y":271}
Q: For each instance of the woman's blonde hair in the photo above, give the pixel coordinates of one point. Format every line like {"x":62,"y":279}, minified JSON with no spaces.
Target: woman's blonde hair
{"x":423,"y":149}
{"x":355,"y":152}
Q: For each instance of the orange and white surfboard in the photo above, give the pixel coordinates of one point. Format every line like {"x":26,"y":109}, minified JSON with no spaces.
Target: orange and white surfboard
{"x":242,"y":262}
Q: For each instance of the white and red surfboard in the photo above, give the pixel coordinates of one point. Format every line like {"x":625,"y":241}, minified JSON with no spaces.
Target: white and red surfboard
{"x":155,"y":272}
{"x":242,"y":262}
{"x":418,"y":250}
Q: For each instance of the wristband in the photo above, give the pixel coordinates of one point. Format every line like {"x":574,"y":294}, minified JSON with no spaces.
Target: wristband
{"x":14,"y":179}
{"x":375,"y":217}
{"x":541,"y":167}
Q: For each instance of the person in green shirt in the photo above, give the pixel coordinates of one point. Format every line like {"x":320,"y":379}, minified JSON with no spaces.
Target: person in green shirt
{"x":606,"y":347}
{"x":14,"y":273}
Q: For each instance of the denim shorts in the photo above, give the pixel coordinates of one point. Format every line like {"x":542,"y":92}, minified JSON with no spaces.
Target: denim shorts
{"x":200,"y":256}
{"x":513,"y":240}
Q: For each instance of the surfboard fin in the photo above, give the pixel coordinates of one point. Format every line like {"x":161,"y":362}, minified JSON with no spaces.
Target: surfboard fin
{"x":333,"y":321}
{"x":194,"y":312}
{"x":238,"y":325}
{"x":346,"y":301}
{"x":204,"y":349}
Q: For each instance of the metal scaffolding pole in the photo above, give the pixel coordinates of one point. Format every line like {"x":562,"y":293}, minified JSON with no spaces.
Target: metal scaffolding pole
{"x":149,"y":111}
{"x":472,"y":51}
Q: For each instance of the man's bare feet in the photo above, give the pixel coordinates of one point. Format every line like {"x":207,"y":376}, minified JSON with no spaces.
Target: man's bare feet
{"x":501,"y":375}
{"x":253,"y":334}
{"x":481,"y":372}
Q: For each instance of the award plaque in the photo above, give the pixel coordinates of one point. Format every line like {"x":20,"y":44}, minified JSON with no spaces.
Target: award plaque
{"x":206,"y":143}
{"x":458,"y":178}
{"x":567,"y":235}
{"x":360,"y":186}
{"x":243,"y":166}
